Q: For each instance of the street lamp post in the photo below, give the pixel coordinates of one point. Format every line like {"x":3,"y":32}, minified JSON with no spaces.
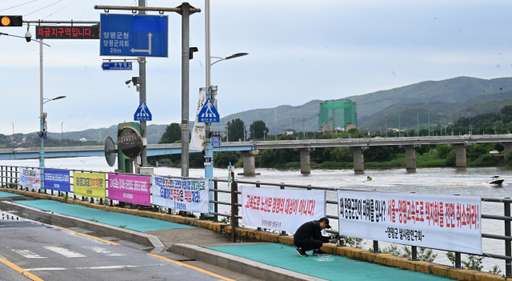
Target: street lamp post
{"x":208,"y":147}
{"x":61,"y":132}
{"x":28,"y":37}
{"x":12,"y":139}
{"x":42,"y":134}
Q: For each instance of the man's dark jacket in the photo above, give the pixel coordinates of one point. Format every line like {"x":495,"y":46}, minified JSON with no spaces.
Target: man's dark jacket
{"x":310,"y":230}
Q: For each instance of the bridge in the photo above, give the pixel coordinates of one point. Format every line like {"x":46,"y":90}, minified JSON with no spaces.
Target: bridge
{"x":249,"y":149}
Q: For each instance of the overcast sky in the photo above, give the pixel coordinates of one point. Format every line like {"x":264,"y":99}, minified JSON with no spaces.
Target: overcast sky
{"x":298,"y":51}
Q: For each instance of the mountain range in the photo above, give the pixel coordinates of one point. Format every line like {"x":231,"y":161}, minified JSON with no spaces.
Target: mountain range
{"x":417,"y":105}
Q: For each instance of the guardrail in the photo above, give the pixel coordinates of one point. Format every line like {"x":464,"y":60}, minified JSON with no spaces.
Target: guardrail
{"x":227,"y":199}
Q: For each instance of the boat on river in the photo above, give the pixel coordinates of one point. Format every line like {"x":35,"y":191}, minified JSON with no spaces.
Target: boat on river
{"x":496,"y":180}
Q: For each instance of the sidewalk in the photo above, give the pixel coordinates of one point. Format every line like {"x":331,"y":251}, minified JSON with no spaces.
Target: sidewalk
{"x":267,"y":261}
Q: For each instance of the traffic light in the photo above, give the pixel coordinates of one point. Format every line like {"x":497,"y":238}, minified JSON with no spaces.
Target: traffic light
{"x":11,"y":20}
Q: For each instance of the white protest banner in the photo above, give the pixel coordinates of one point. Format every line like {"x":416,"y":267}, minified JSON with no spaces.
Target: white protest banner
{"x":185,"y":195}
{"x":443,"y":222}
{"x":281,"y":209}
{"x":198,"y":132}
{"x":30,"y":178}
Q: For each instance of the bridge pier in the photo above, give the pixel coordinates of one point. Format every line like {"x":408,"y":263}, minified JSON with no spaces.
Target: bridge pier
{"x":507,"y":146}
{"x":460,"y":154}
{"x":410,"y":157}
{"x":358,"y":158}
{"x":305,"y":162}
{"x":249,"y":163}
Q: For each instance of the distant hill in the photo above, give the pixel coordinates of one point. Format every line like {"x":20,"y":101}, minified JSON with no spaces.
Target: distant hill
{"x":443,"y":101}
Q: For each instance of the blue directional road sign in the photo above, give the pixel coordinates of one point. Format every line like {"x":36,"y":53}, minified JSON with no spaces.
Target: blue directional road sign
{"x":142,"y":113}
{"x":208,"y":113}
{"x":116,"y":65}
{"x":136,"y":36}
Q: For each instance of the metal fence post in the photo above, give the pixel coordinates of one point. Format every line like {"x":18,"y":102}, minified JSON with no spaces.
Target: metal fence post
{"x":216,"y":199}
{"x":233,"y":209}
{"x":282,"y":187}
{"x":457,"y":260}
{"x":508,"y":252}
{"x":414,"y":253}
{"x":375,"y":246}
{"x":258,"y":186}
{"x":10,"y":177}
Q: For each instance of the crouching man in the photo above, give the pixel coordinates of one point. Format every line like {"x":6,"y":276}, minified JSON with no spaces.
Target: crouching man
{"x":309,"y":237}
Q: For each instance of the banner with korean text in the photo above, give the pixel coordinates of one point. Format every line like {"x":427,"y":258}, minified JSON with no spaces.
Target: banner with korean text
{"x":89,"y":184}
{"x":281,"y":209}
{"x":185,"y":195}
{"x":130,"y":189}
{"x":56,"y":180}
{"x":443,"y":222}
{"x":30,"y":178}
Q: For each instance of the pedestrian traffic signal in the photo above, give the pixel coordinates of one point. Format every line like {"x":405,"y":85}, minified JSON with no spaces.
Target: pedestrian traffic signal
{"x":11,"y":20}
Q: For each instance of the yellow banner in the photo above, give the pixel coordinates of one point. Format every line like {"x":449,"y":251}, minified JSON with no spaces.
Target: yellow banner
{"x":89,"y":184}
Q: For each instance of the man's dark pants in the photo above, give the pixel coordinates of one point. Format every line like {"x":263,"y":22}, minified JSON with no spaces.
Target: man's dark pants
{"x":308,"y":244}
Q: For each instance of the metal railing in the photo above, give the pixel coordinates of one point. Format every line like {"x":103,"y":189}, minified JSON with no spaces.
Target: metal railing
{"x":226,"y":204}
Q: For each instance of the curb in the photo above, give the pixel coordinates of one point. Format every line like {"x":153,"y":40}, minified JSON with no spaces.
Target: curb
{"x":239,"y":264}
{"x":66,"y":221}
{"x":246,"y":234}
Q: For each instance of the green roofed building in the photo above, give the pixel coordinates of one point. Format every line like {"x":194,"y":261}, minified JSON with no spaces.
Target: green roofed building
{"x":337,"y":113}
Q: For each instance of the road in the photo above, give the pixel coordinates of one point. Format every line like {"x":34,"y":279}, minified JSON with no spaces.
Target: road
{"x":33,"y":251}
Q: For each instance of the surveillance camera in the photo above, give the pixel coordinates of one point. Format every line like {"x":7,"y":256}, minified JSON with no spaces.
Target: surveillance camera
{"x":28,"y":36}
{"x":128,"y":82}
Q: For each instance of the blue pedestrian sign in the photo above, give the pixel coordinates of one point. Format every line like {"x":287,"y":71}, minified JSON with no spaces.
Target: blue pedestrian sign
{"x":117,"y":65}
{"x":136,"y":36}
{"x":142,"y":113}
{"x":208,"y":113}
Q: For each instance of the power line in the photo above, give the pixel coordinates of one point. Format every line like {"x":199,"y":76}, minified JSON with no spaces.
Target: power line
{"x":17,"y":5}
{"x":44,"y":7}
{"x":61,"y":9}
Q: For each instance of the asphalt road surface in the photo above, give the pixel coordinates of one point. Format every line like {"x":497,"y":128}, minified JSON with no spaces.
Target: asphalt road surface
{"x":33,"y":251}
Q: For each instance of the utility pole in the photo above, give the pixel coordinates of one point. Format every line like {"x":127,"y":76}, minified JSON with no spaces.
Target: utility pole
{"x":142,"y":97}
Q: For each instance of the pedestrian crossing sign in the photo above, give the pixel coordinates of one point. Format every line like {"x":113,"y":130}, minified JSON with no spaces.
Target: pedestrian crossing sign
{"x":208,"y":113}
{"x":142,"y":113}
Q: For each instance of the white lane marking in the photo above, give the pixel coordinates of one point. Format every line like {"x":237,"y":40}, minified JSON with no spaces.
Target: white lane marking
{"x":101,"y":250}
{"x":108,"y":267}
{"x":46,"y":269}
{"x":28,"y":254}
{"x":65,"y":252}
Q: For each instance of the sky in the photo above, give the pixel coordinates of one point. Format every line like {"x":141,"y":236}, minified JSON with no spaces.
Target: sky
{"x":298,"y":51}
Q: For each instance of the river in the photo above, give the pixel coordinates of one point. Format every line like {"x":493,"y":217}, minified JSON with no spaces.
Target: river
{"x":445,"y":181}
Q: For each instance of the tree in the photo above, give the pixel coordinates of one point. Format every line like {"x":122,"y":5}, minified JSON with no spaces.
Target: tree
{"x":236,"y":129}
{"x":172,"y":134}
{"x":258,"y":129}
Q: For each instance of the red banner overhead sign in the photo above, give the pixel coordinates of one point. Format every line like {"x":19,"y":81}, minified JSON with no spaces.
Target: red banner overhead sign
{"x":67,"y":32}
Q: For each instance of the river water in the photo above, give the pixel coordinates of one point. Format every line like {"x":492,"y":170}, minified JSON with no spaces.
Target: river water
{"x":443,"y":181}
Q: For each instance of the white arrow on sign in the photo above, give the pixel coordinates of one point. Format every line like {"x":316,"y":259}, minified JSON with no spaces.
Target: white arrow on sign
{"x":148,"y":50}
